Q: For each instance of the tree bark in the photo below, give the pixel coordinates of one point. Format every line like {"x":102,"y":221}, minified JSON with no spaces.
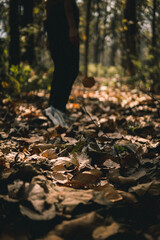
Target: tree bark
{"x":88,"y":15}
{"x":97,"y":42}
{"x":130,"y":35}
{"x":154,"y":37}
{"x":114,"y":45}
{"x":14,"y":49}
{"x":27,"y":19}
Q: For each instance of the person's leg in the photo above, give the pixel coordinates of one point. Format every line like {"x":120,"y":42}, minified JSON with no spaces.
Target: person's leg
{"x":56,"y":103}
{"x":66,"y":60}
{"x":58,"y":87}
{"x":72,"y":69}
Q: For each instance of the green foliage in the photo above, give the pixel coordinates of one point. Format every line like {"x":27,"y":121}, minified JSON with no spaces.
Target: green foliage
{"x":3,"y":64}
{"x":147,"y":72}
{"x":103,"y":71}
{"x":107,"y":47}
{"x":119,"y":149}
{"x":112,"y":71}
{"x":79,"y":146}
{"x":23,"y":78}
{"x":131,"y":129}
{"x":19,"y":76}
{"x":97,"y":69}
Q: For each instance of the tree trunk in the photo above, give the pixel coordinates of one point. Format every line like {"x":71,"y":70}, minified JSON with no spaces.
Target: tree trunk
{"x":88,"y":15}
{"x":130,"y":35}
{"x":14,"y":49}
{"x":154,"y":37}
{"x":97,"y":42}
{"x":155,"y":75}
{"x":27,"y":19}
{"x":114,"y":45}
{"x":105,"y":32}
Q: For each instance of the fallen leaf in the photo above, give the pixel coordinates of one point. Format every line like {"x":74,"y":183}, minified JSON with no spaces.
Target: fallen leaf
{"x":50,"y":236}
{"x":13,"y":189}
{"x":49,"y":153}
{"x":128,"y":197}
{"x":85,"y":179}
{"x":60,"y":177}
{"x":80,"y":228}
{"x":110,"y":192}
{"x":105,"y":232}
{"x":33,"y":215}
{"x":67,"y":163}
{"x":83,"y":160}
{"x":70,"y":198}
{"x":152,"y":188}
{"x":35,"y":206}
{"x":111,"y":164}
{"x":42,"y":146}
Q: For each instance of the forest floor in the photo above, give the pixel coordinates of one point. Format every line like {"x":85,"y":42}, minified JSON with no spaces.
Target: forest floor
{"x":97,"y":179}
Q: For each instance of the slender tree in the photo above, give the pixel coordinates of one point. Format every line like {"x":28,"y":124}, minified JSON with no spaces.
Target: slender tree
{"x":130,"y":35}
{"x":88,"y":16}
{"x":27,"y":21}
{"x":14,"y":49}
{"x":114,"y":45}
{"x":97,"y":34}
{"x":155,"y":63}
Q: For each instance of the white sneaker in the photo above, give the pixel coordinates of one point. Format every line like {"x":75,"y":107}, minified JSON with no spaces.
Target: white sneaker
{"x":55,"y":116}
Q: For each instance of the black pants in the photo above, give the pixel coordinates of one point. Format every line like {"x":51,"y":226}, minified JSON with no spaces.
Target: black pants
{"x":65,"y":56}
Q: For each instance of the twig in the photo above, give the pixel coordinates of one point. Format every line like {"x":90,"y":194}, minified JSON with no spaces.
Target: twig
{"x":85,"y":110}
{"x":91,"y":117}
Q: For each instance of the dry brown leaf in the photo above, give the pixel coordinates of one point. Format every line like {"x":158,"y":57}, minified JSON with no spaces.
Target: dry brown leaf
{"x":51,"y":133}
{"x":110,"y":192}
{"x":49,"y":153}
{"x":90,"y":133}
{"x":69,"y":164}
{"x":129,"y":161}
{"x":82,"y":159}
{"x":152,"y":188}
{"x":85,"y":179}
{"x":50,"y":236}
{"x":108,"y":125}
{"x":104,"y":232}
{"x":2,"y":162}
{"x":42,"y":146}
{"x":125,"y":180}
{"x":60,"y":177}
{"x":80,"y":228}
{"x":70,"y":198}
{"x":59,"y":168}
{"x":128,"y":197}
{"x":111,"y":164}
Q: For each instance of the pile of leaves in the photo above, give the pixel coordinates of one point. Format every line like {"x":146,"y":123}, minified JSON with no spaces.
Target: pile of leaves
{"x":97,"y":179}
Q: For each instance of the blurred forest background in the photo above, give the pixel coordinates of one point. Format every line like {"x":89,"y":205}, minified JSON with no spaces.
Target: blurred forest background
{"x":119,"y":40}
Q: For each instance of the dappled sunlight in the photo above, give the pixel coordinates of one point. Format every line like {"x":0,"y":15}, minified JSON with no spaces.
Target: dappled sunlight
{"x":107,"y":158}
{"x":79,"y":120}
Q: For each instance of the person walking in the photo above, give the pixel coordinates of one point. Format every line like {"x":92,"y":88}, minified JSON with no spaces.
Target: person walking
{"x":62,"y":29}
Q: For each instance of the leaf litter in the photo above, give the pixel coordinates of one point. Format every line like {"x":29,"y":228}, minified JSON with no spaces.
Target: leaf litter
{"x":98,"y":179}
